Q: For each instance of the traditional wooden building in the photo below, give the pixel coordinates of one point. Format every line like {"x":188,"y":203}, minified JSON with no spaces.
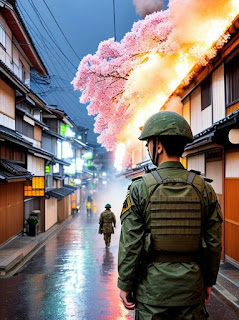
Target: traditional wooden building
{"x":211,"y":106}
{"x":20,"y":133}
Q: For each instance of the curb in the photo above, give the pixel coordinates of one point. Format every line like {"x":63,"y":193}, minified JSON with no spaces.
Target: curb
{"x":226,"y":296}
{"x":16,"y":261}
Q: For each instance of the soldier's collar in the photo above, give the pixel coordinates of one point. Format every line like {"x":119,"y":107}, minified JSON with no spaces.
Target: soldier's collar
{"x":171,"y":164}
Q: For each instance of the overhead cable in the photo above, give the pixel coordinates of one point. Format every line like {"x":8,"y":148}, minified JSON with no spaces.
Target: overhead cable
{"x":61,"y":30}
{"x":114,"y":19}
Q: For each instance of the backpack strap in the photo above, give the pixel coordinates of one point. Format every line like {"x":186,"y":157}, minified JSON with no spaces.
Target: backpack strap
{"x":157,"y":176}
{"x":191,"y":177}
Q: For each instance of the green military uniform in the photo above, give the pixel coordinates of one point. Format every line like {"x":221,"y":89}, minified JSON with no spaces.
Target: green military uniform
{"x":107,"y":221}
{"x":174,"y":286}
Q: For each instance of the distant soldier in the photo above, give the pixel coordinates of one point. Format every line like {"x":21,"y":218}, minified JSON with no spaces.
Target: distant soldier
{"x":89,"y":205}
{"x":107,"y":223}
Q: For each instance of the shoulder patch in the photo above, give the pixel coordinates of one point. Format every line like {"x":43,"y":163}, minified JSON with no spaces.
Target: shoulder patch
{"x":126,"y":204}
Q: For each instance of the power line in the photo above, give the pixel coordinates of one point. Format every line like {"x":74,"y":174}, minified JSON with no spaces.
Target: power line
{"x":62,"y":100}
{"x":61,"y":30}
{"x":38,"y":34}
{"x":48,"y":31}
{"x":114,"y":19}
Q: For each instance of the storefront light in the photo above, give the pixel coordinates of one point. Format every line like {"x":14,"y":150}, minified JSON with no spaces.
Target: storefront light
{"x":67,"y":150}
{"x":78,"y":181}
{"x":69,"y":133}
{"x":88,"y":155}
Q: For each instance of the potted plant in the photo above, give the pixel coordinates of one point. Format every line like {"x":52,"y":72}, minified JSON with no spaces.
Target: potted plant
{"x":33,"y":222}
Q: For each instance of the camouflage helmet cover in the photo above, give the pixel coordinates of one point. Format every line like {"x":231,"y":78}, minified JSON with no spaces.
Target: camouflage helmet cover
{"x":165,"y":123}
{"x":107,"y":205}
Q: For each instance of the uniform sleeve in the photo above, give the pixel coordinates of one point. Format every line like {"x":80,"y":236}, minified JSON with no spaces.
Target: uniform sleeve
{"x":114,"y":220}
{"x":212,"y":237}
{"x":131,"y":240}
{"x":101,"y":219}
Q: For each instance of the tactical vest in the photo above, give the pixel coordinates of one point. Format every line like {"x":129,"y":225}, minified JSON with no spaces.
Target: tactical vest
{"x":177,"y":210}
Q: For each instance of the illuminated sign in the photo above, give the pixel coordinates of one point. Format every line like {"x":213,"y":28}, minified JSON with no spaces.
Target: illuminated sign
{"x":70,"y":169}
{"x":87,"y":155}
{"x":67,"y":150}
{"x":78,"y":181}
{"x":66,"y":131}
{"x":47,"y":169}
{"x":37,"y":189}
{"x":79,"y":165}
{"x":56,"y":168}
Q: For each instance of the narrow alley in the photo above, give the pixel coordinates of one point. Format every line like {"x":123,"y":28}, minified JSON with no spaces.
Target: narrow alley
{"x":74,"y":277}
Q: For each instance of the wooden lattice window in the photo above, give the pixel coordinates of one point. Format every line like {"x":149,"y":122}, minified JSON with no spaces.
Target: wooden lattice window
{"x":206,"y":93}
{"x":232,"y":80}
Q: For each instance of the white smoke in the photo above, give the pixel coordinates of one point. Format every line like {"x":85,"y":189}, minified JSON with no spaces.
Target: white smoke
{"x":114,"y":192}
{"x":145,"y":7}
{"x":174,"y":104}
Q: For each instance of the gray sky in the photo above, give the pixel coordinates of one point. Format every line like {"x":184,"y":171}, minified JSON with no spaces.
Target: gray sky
{"x":85,"y":24}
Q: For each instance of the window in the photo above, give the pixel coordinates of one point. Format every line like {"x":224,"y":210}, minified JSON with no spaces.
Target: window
{"x":206,"y":96}
{"x":49,"y":176}
{"x":2,"y":36}
{"x":232,"y":80}
{"x":23,"y":127}
{"x":49,"y":181}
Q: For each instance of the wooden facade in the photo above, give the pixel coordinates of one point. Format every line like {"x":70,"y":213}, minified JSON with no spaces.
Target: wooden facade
{"x":11,"y":210}
{"x":210,"y":105}
{"x":63,"y":208}
{"x":50,"y":212}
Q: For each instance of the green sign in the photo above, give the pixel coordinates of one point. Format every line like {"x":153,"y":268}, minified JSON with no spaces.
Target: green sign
{"x":63,"y":129}
{"x":47,"y":169}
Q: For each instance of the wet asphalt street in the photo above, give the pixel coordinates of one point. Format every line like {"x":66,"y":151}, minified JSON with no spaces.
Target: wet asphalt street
{"x":74,"y":277}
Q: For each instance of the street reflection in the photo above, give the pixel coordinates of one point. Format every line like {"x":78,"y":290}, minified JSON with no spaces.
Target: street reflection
{"x":73,"y":277}
{"x":108,"y":262}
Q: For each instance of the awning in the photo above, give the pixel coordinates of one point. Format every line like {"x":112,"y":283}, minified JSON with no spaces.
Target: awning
{"x":70,"y":187}
{"x":13,"y":136}
{"x":16,"y":138}
{"x":217,"y":133}
{"x":12,"y":171}
{"x":60,"y":161}
{"x":58,"y":177}
{"x":60,"y":193}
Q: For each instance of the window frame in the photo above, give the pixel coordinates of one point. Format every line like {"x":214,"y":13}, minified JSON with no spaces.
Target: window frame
{"x":206,"y":93}
{"x":2,"y":36}
{"x":231,"y":79}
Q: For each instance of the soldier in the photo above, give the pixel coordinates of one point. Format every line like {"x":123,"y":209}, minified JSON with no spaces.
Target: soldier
{"x":89,"y":205}
{"x":107,"y":223}
{"x":170,"y":242}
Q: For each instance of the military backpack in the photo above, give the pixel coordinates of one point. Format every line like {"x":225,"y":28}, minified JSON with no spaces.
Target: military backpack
{"x":177,"y":213}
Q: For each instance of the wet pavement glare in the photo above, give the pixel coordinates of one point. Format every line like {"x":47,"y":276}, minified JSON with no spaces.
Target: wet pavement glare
{"x":74,"y":277}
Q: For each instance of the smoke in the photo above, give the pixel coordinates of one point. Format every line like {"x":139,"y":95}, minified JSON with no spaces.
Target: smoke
{"x":145,"y":7}
{"x":187,"y":45}
{"x":174,"y":104}
{"x":203,"y":18}
{"x":114,"y":192}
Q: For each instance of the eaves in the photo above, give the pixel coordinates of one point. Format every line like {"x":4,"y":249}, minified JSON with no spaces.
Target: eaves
{"x":210,"y":134}
{"x":11,"y":78}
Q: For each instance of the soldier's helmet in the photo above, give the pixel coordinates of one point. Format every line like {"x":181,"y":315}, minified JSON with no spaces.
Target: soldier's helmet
{"x":107,"y":205}
{"x":166,"y":123}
